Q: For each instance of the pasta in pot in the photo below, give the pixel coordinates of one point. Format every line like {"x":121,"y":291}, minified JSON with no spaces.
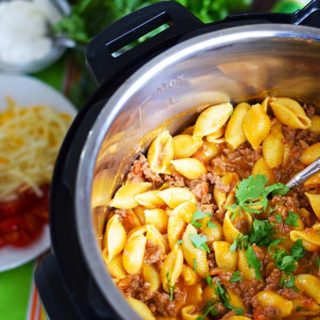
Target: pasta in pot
{"x":214,"y":233}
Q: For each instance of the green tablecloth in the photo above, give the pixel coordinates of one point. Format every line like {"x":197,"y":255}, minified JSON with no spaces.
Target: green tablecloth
{"x":18,"y":297}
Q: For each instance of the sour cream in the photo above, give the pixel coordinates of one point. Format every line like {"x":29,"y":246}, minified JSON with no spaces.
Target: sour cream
{"x":24,"y":30}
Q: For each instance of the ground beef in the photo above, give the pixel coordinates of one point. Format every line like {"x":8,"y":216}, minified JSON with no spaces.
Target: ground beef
{"x":289,"y":293}
{"x":247,"y":289}
{"x":140,"y":171}
{"x":160,"y":305}
{"x":310,"y":109}
{"x":201,"y":190}
{"x":273,"y":280}
{"x":211,"y":261}
{"x":153,"y":253}
{"x":136,"y":287}
{"x":175,"y":180}
{"x":216,"y":181}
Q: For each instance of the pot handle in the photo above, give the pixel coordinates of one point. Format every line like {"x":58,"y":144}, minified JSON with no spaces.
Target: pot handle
{"x":106,"y":53}
{"x":309,"y":15}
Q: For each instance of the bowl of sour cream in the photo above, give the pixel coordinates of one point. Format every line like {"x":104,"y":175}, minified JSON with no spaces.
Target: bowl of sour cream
{"x":26,"y":44}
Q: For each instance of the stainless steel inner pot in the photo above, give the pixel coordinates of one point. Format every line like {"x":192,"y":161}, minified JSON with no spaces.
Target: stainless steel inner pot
{"x":236,"y":64}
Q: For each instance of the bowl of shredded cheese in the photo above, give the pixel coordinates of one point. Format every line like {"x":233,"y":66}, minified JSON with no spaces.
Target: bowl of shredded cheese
{"x":26,"y":42}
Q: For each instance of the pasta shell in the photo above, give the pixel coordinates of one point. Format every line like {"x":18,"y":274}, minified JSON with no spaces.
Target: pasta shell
{"x":212,"y":119}
{"x":139,"y":212}
{"x":115,"y":237}
{"x":315,"y":124}
{"x":125,"y":196}
{"x":188,"y":130}
{"x":141,"y":309}
{"x":256,"y":125}
{"x":235,"y":300}
{"x":314,"y":200}
{"x":136,"y":232}
{"x":216,"y":137}
{"x":286,"y":153}
{"x":161,"y":153}
{"x":239,"y":318}
{"x":247,"y":272}
{"x":207,"y":152}
{"x":268,"y":298}
{"x":261,"y":167}
{"x":230,"y":232}
{"x":100,"y":185}
{"x":176,"y":227}
{"x":310,"y":285}
{"x":190,"y":168}
{"x":290,"y":113}
{"x":149,"y":199}
{"x":156,"y":238}
{"x":158,"y":218}
{"x":225,"y":259}
{"x":175,"y":196}
{"x":151,"y":275}
{"x":171,"y":268}
{"x":234,"y":134}
{"x":194,"y":255}
{"x":265,"y":104}
{"x":190,"y":278}
{"x":310,"y":154}
{"x":310,"y":238}
{"x":115,"y":267}
{"x":213,"y":232}
{"x":313,"y":181}
{"x":133,"y":254}
{"x":273,"y":147}
{"x":190,"y":313}
{"x":185,"y":210}
{"x":210,"y":293}
{"x":185,"y":146}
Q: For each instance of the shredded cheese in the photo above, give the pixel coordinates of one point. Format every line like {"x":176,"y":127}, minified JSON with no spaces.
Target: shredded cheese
{"x":30,"y":138}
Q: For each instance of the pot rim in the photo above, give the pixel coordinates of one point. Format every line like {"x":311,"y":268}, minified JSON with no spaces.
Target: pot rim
{"x":183,"y":50}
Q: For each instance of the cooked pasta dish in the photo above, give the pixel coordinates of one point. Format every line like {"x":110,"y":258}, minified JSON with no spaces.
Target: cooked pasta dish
{"x":204,"y":227}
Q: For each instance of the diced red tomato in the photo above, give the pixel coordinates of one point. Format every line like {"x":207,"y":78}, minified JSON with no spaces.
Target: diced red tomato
{"x":22,"y":220}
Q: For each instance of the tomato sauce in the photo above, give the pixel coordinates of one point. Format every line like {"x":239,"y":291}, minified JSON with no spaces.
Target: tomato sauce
{"x":22,"y":220}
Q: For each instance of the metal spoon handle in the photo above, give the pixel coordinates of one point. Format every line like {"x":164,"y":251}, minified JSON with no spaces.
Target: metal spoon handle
{"x":303,"y":175}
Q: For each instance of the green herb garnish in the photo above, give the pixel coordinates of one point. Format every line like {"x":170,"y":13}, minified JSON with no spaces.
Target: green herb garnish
{"x":171,"y":287}
{"x":236,"y":277}
{"x":254,"y":262}
{"x":292,"y":219}
{"x":262,"y":232}
{"x":210,"y":309}
{"x":287,"y":281}
{"x":211,"y":225}
{"x":200,"y":242}
{"x":209,"y":281}
{"x":278,"y":218}
{"x":318,"y":262}
{"x":195,"y":265}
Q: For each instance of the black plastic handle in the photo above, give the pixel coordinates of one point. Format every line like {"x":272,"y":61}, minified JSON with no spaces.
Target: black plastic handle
{"x":308,"y":16}
{"x":100,"y":59}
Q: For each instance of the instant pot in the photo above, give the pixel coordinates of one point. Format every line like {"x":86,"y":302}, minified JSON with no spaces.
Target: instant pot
{"x":162,"y":82}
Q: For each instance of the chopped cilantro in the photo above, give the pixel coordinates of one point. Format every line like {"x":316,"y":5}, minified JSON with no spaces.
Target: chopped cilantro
{"x":262,"y":232}
{"x":297,"y":250}
{"x":198,"y":215}
{"x":210,"y":309}
{"x":195,"y":265}
{"x":201,"y":318}
{"x":211,"y":225}
{"x":277,"y":189}
{"x":236,"y":277}
{"x":288,"y":262}
{"x":199,"y":242}
{"x":209,"y":281}
{"x":253,"y":262}
{"x":274,"y":243}
{"x":287,"y":281}
{"x":171,"y":287}
{"x":317,"y":262}
{"x":292,"y":219}
{"x":240,"y":242}
{"x":278,"y":218}
{"x":251,"y":193}
{"x":238,"y":311}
